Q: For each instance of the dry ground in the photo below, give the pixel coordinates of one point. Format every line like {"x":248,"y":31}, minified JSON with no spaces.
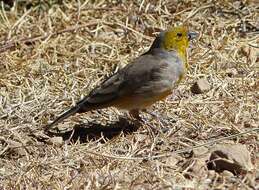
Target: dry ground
{"x":52,"y":53}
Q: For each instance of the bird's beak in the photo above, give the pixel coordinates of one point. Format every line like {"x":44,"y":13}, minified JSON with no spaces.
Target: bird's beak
{"x":192,"y":35}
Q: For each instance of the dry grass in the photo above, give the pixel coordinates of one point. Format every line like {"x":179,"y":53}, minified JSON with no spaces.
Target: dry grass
{"x":52,"y":54}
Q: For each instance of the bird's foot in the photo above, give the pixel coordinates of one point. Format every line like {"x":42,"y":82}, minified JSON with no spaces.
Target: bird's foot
{"x":163,"y":120}
{"x":135,"y":115}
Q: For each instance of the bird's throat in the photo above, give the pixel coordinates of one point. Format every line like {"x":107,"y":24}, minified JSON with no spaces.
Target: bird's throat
{"x":183,"y":55}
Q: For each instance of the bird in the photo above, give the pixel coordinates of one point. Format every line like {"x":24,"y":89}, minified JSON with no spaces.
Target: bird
{"x":151,"y":77}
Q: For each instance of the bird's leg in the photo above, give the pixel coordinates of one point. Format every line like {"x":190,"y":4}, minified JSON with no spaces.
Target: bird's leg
{"x":135,"y":114}
{"x":162,"y":120}
{"x":154,"y":115}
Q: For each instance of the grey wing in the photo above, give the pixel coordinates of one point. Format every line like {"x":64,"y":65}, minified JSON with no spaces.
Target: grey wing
{"x":135,"y":79}
{"x":159,"y":73}
{"x":126,"y":81}
{"x":107,"y":91}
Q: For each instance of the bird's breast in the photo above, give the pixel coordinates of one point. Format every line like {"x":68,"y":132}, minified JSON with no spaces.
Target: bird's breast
{"x":139,"y":102}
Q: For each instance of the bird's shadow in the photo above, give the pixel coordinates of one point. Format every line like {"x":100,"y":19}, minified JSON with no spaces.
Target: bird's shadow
{"x":93,"y":131}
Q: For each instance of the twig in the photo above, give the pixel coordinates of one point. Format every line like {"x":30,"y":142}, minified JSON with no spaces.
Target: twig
{"x":191,"y":14}
{"x":175,"y":152}
{"x":13,"y":44}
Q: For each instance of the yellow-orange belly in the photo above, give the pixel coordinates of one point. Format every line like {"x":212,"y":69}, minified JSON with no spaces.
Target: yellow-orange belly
{"x":138,"y":102}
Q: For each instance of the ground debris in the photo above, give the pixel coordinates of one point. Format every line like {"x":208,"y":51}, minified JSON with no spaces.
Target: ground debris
{"x":233,"y":158}
{"x":200,"y":86}
{"x":231,"y":72}
{"x":16,"y":147}
{"x":56,"y":141}
{"x":54,"y":52}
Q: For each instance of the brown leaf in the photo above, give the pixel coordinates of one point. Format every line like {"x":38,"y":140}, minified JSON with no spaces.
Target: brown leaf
{"x":200,"y":86}
{"x":231,"y":72}
{"x":56,"y":141}
{"x":16,"y":147}
{"x":234,"y":158}
{"x":195,"y":167}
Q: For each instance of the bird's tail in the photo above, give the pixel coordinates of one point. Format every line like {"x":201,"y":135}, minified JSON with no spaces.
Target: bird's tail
{"x":65,"y":115}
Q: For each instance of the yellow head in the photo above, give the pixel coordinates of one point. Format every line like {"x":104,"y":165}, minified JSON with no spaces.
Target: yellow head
{"x":177,"y":39}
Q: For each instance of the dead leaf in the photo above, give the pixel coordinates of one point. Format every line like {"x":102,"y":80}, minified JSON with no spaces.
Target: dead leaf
{"x":231,"y":157}
{"x":17,"y":147}
{"x":231,"y":72}
{"x":200,"y":86}
{"x":56,"y":141}
{"x":226,"y":173}
{"x":201,"y":151}
{"x":195,"y":167}
{"x":172,"y":161}
{"x":250,"y":53}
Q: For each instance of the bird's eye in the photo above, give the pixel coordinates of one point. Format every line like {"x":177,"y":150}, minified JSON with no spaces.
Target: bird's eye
{"x":179,"y":35}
